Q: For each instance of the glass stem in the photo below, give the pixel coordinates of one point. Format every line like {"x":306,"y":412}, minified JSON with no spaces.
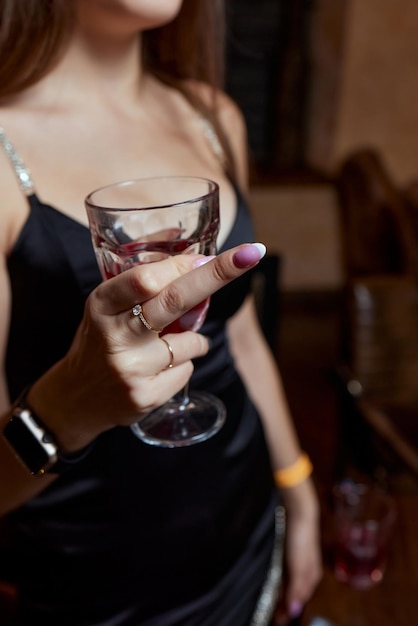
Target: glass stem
{"x":185,"y":401}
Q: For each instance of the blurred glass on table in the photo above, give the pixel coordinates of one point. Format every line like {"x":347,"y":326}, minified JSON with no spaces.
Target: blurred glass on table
{"x":364,"y":516}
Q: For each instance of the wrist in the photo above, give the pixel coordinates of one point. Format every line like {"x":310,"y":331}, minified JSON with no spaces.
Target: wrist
{"x":49,"y":399}
{"x":297,"y":489}
{"x":301,"y":501}
{"x":295,"y":473}
{"x":34,"y":445}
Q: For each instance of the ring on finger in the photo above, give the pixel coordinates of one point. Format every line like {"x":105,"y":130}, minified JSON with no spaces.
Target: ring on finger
{"x":170,"y":349}
{"x":137,"y":311}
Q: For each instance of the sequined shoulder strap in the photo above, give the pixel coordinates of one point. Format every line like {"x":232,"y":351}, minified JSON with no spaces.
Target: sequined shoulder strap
{"x":213,"y":140}
{"x":22,"y":172}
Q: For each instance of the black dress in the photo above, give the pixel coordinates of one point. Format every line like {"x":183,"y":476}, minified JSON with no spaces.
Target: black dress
{"x":134,"y":534}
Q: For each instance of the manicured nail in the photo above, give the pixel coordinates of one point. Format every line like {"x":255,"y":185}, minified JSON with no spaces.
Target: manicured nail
{"x":249,"y":255}
{"x":203,"y":260}
{"x":295,"y":608}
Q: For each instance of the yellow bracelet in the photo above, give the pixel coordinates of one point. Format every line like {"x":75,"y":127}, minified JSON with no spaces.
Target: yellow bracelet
{"x":295,"y":473}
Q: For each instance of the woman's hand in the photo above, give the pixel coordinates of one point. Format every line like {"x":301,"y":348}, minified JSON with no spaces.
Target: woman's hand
{"x":116,"y":369}
{"x":303,"y":551}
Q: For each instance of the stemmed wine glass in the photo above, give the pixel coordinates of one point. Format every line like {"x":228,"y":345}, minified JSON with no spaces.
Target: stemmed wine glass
{"x":147,"y":220}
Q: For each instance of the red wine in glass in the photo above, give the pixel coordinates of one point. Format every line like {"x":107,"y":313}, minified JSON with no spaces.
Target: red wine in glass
{"x":116,"y":260}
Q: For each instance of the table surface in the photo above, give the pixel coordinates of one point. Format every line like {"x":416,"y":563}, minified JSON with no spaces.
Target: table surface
{"x":394,"y":601}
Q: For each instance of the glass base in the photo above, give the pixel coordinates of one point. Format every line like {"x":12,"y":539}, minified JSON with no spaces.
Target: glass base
{"x":182,"y":422}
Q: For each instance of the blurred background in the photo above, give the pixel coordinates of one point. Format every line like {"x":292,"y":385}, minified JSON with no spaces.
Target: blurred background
{"x":329,"y":90}
{"x":317,"y":79}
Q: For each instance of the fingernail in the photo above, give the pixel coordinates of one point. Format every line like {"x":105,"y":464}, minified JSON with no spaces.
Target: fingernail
{"x":295,"y":608}
{"x":203,"y":260}
{"x":249,"y":255}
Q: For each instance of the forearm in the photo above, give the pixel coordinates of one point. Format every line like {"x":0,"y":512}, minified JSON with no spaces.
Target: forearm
{"x":259,"y":371}
{"x":261,"y":376}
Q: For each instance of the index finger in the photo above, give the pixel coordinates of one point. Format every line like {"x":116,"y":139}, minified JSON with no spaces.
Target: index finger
{"x":190,"y":289}
{"x":140,"y":283}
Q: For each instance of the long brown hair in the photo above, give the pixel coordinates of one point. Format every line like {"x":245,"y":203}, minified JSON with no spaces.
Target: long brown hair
{"x":34,"y":35}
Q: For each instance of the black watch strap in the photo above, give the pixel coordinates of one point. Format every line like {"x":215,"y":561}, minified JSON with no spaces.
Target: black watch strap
{"x":34,"y":445}
{"x":66,"y":462}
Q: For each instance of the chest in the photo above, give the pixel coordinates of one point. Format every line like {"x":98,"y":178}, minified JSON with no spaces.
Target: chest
{"x":78,"y":159}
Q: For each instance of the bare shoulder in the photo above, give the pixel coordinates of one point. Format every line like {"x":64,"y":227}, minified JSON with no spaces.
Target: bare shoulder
{"x":229,"y":113}
{"x":231,"y":120}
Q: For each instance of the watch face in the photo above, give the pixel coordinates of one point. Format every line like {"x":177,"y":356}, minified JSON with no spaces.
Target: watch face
{"x":26,"y":445}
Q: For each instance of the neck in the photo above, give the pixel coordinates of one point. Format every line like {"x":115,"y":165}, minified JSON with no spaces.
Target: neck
{"x":92,"y":70}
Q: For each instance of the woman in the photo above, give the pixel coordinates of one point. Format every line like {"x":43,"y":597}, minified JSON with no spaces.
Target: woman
{"x":121,"y":533}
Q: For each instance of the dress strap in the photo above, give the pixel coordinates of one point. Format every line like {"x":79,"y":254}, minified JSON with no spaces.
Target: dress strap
{"x":213,"y":139}
{"x":22,"y":172}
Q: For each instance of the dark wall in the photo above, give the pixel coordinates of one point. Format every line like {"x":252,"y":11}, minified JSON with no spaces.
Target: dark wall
{"x":267,"y":73}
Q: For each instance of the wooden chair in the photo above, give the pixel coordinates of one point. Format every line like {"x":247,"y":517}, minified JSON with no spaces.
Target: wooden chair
{"x":378,"y":369}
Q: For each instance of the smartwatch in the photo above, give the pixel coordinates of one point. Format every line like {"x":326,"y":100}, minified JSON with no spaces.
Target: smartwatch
{"x":34,"y":445}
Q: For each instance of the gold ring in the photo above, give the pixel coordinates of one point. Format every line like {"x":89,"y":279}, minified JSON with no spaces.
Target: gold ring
{"x":170,"y":349}
{"x":138,"y":312}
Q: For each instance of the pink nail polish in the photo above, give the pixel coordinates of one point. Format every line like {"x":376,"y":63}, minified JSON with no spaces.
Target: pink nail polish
{"x":202,"y":261}
{"x":295,"y":608}
{"x":249,"y":255}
